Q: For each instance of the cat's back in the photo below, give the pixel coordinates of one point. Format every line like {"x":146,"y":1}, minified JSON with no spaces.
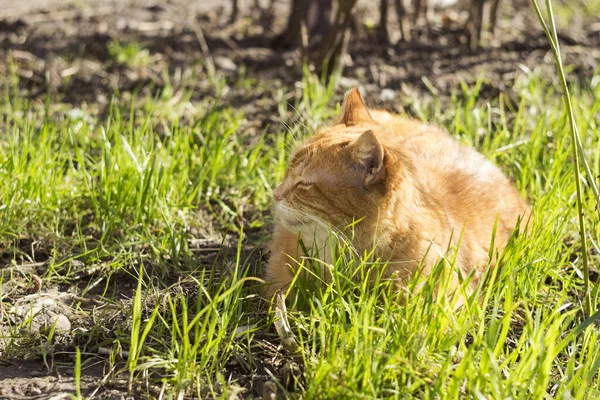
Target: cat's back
{"x":434,"y":150}
{"x":459,"y":178}
{"x":420,"y":140}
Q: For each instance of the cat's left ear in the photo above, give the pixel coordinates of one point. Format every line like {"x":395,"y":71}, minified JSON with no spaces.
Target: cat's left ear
{"x":368,"y":152}
{"x":355,"y":109}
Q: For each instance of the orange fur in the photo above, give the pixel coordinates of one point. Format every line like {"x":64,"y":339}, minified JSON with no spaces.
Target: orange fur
{"x":412,"y":186}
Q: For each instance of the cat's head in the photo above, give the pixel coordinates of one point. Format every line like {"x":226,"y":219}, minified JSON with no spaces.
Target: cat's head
{"x":338,"y":175}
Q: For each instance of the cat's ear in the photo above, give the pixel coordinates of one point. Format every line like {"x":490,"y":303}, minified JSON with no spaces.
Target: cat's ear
{"x":368,"y":152}
{"x":355,"y":109}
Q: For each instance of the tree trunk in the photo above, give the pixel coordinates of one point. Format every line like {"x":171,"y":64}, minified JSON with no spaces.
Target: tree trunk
{"x":494,"y":15}
{"x":334,"y":47}
{"x":403,"y":21}
{"x":291,"y":38}
{"x":319,"y":19}
{"x":382,"y":28}
{"x":234,"y":11}
{"x":475,"y":23}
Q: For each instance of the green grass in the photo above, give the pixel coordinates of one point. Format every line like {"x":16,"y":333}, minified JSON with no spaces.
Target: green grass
{"x":130,"y":54}
{"x":524,"y":335}
{"x":138,"y":198}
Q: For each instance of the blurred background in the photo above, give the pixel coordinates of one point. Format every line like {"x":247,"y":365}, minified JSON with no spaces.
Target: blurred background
{"x":84,"y":52}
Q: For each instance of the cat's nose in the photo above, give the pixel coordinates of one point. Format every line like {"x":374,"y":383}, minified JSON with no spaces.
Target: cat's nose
{"x":277,"y":194}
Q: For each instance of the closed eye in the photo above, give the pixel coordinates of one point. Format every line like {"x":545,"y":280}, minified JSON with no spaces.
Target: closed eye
{"x":305,"y":184}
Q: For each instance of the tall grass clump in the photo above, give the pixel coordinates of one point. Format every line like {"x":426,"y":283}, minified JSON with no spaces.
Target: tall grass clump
{"x":188,"y":334}
{"x":577,"y":148}
{"x":106,"y":188}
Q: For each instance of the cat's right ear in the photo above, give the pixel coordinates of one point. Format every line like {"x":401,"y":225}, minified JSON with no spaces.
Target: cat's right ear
{"x":355,"y":109}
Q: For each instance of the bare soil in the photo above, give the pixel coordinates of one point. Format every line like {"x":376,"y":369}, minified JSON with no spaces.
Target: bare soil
{"x":61,"y":48}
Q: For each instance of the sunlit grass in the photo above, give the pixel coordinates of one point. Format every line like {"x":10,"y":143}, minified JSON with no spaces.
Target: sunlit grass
{"x":129,"y":54}
{"x":131,"y":195}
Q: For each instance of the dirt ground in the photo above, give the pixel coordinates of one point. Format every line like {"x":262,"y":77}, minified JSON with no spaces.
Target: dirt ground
{"x":61,"y":47}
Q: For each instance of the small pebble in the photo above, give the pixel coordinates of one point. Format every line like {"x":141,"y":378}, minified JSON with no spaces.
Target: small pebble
{"x":387,"y":95}
{"x":62,"y":324}
{"x":225,"y":63}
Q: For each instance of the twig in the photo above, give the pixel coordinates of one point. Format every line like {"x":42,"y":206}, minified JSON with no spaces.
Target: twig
{"x":282,"y":325}
{"x":105,"y":351}
{"x":23,"y":269}
{"x":103,"y":381}
{"x":68,"y":14}
{"x":210,"y":62}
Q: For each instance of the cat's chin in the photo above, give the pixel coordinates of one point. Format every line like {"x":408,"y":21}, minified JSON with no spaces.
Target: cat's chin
{"x":296,"y":221}
{"x":294,"y":224}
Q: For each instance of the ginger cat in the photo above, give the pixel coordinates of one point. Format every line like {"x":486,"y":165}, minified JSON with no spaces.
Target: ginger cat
{"x":411,"y":185}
